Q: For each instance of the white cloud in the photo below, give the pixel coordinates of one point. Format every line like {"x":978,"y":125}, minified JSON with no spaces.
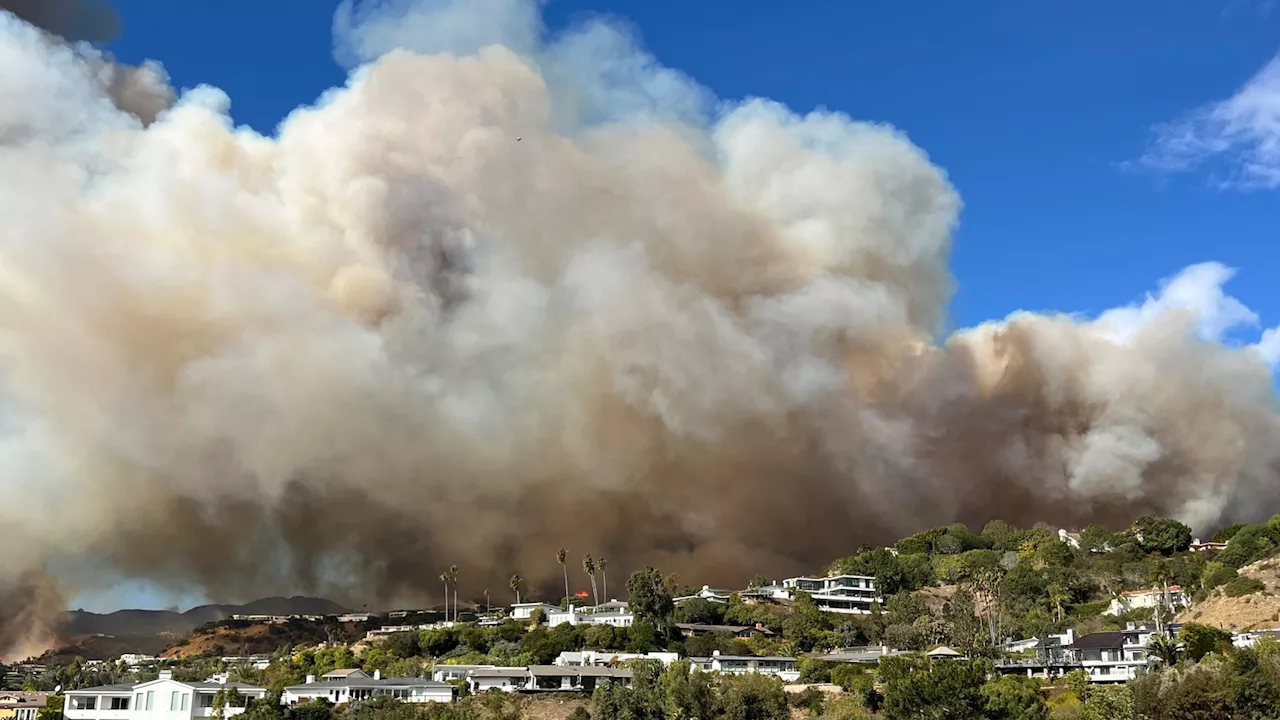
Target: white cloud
{"x":1197,"y":292}
{"x":1240,"y":135}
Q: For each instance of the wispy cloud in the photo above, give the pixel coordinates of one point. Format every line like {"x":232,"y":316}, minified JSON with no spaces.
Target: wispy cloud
{"x":1197,"y":293}
{"x":1238,"y":138}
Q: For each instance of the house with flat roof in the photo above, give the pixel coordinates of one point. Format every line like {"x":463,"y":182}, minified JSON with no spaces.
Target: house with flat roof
{"x":1117,"y":656}
{"x":781,"y":667}
{"x":353,"y":685}
{"x":1171,"y":598}
{"x":742,"y":631}
{"x":612,"y":613}
{"x":847,"y":594}
{"x":586,"y":658}
{"x":524,"y":611}
{"x":142,"y":701}
{"x":706,"y":593}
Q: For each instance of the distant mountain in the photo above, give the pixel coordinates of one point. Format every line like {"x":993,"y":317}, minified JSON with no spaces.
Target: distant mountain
{"x":151,"y":622}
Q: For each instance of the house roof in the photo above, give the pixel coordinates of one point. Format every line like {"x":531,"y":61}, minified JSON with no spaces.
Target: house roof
{"x":1169,"y":589}
{"x":587,"y":671}
{"x":101,"y":689}
{"x":943,"y":651}
{"x":344,"y":672}
{"x":499,"y":672}
{"x":1099,"y":641}
{"x":764,"y":658}
{"x":363,"y":682}
{"x":702,"y":627}
{"x":17,"y":698}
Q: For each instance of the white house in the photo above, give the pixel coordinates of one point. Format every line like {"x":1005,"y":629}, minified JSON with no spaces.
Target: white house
{"x":503,"y":679}
{"x":344,"y":686}
{"x":160,"y":699}
{"x":587,"y":658}
{"x":1249,"y":638}
{"x":1070,"y":538}
{"x":781,"y":667}
{"x":1172,"y":598}
{"x":603,"y":614}
{"x":524,"y":611}
{"x":848,"y":594}
{"x":706,"y":593}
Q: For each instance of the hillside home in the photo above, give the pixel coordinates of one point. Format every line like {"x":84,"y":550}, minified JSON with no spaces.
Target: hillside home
{"x":1250,"y":638}
{"x":866,"y":655}
{"x":1113,"y":656}
{"x":160,"y":699}
{"x":1207,"y":546}
{"x":524,"y":611}
{"x":742,"y":631}
{"x":502,"y":679}
{"x":706,"y":593}
{"x":587,"y":658}
{"x":1070,"y":538}
{"x":15,"y":705}
{"x":781,"y":667}
{"x":764,"y":594}
{"x":603,"y":614}
{"x":351,"y":685}
{"x":1173,"y":598}
{"x":847,"y":594}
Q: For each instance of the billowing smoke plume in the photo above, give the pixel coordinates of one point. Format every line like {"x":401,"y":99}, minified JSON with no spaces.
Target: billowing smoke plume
{"x":477,"y":306}
{"x":143,"y":91}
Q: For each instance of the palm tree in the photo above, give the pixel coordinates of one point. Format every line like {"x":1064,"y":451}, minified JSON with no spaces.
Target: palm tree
{"x":589,"y":567}
{"x":564,"y":570}
{"x":444,"y":578}
{"x":453,"y":576}
{"x":604,"y":579}
{"x":516,"y":582}
{"x":1057,"y":596}
{"x":1157,"y":576}
{"x":1163,"y":648}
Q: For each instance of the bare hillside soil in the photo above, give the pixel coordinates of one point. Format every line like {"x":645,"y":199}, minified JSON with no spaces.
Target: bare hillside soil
{"x":1257,"y":611}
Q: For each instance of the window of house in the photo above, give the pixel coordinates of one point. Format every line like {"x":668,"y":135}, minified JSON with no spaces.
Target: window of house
{"x":119,"y":703}
{"x":84,"y":703}
{"x":173,"y":701}
{"x":186,"y":702}
{"x":151,"y":696}
{"x":206,"y":700}
{"x":137,"y":701}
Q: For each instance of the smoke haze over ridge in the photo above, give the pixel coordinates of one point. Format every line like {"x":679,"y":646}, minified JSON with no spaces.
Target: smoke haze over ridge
{"x":656,"y":328}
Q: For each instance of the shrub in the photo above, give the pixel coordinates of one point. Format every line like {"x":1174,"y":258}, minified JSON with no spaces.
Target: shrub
{"x":1244,"y":586}
{"x":1217,"y":574}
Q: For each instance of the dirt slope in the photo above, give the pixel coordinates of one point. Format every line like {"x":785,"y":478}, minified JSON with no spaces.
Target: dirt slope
{"x":1258,"y":611}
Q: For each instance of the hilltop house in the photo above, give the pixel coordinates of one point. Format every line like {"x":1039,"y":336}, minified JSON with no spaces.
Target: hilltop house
{"x":613,"y":613}
{"x":524,"y":611}
{"x":1173,"y":598}
{"x":781,"y":667}
{"x":742,"y":631}
{"x":1209,"y":545}
{"x":344,"y":686}
{"x":15,"y":705}
{"x":706,"y":593}
{"x":587,"y":658}
{"x":141,"y":701}
{"x":847,"y":594}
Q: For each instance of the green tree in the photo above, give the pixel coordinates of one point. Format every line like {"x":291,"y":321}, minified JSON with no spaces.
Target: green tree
{"x":1000,"y":535}
{"x":1108,"y":702}
{"x":515,"y":584}
{"x":564,"y":569}
{"x":1163,"y":535}
{"x":949,"y":690}
{"x":1097,"y":539}
{"x":649,"y":598}
{"x":1164,"y":648}
{"x":751,"y":697}
{"x":1013,"y":697}
{"x":52,"y":709}
{"x":1253,"y":690}
{"x":1199,"y":640}
{"x":687,"y":695}
{"x":1252,"y":542}
{"x":964,"y":627}
{"x":698,"y":610}
{"x":589,"y":567}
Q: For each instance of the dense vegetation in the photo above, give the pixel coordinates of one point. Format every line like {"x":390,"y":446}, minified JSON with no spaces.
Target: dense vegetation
{"x":950,"y":585}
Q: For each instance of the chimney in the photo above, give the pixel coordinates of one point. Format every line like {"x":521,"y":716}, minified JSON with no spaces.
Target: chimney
{"x":311,"y":679}
{"x":377,"y":674}
{"x":166,"y":674}
{"x":715,"y":653}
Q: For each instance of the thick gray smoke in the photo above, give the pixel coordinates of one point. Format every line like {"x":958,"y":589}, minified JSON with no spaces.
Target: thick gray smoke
{"x":477,"y":306}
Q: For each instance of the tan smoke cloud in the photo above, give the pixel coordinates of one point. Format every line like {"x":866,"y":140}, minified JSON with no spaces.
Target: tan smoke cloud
{"x":477,"y":306}
{"x":141,"y":91}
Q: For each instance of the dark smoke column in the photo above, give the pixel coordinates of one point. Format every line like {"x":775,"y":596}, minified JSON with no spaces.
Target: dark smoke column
{"x":75,"y":20}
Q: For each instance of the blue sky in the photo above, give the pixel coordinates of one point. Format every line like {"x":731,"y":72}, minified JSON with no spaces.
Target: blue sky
{"x":1082,"y":135}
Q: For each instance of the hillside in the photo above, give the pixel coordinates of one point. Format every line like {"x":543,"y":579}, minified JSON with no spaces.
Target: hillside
{"x":1257,"y":610}
{"x":153,"y":622}
{"x":234,"y":638}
